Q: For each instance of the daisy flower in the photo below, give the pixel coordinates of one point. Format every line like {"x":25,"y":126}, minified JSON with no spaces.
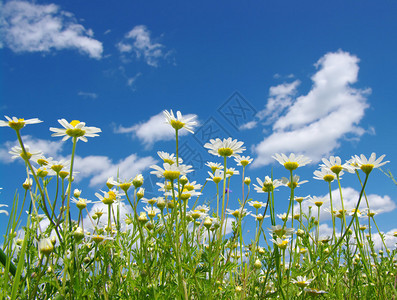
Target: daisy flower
{"x":58,"y":165}
{"x":334,"y":164}
{"x":190,"y":186}
{"x":280,"y":231}
{"x":257,"y":204}
{"x":109,"y":197}
{"x":43,"y":161}
{"x":179,"y":121}
{"x":75,"y":129}
{"x":168,"y":158}
{"x":18,"y":124}
{"x":152,"y":211}
{"x":27,"y":184}
{"x":268,"y":185}
{"x":238,"y":212}
{"x":217,"y":176}
{"x":283,"y":217}
{"x":17,"y":151}
{"x":292,"y":162}
{"x":197,"y":214}
{"x":318,"y":201}
{"x":325,"y":174}
{"x":366,"y":165}
{"x":225,"y":147}
{"x":295,"y":181}
{"x":214,"y":166}
{"x":243,"y":160}
{"x":282,"y":244}
{"x":301,"y":281}
{"x":170,"y":172}
{"x":232,"y":171}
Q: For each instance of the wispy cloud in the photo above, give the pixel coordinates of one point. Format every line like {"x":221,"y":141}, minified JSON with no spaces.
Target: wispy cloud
{"x":314,"y":124}
{"x":140,"y":42}
{"x":30,"y":27}
{"x":152,"y":131}
{"x":88,"y":95}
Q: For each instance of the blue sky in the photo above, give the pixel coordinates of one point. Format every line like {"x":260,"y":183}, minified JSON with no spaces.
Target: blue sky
{"x":286,"y":76}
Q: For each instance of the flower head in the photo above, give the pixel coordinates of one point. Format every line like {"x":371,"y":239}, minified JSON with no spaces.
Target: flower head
{"x":282,"y":244}
{"x":169,"y":158}
{"x":367,"y":165}
{"x":268,"y":185}
{"x":292,"y":162}
{"x":295,"y":181}
{"x":170,"y":172}
{"x":325,"y":174}
{"x":334,"y":164}
{"x":301,"y":281}
{"x":18,"y":124}
{"x":225,"y":147}
{"x":217,"y":176}
{"x":243,"y":160}
{"x":75,"y":129}
{"x":214,"y":166}
{"x":17,"y":151}
{"x":179,"y":121}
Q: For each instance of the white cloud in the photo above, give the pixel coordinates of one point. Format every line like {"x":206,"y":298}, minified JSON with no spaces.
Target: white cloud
{"x":87,"y":95}
{"x":139,"y":41}
{"x":49,"y":148}
{"x":314,"y":124}
{"x":249,"y":125}
{"x":30,"y":27}
{"x":100,"y":168}
{"x":153,"y":130}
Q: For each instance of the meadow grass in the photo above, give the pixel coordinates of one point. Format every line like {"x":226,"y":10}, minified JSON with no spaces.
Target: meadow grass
{"x":177,"y":249}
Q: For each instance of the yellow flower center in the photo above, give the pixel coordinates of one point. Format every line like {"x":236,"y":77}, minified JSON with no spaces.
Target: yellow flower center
{"x":168,"y":161}
{"x":81,"y":204}
{"x":244,"y":162}
{"x":125,"y":186}
{"x":196,"y":214}
{"x":329,"y":178}
{"x":42,"y":172}
{"x":63,"y":174}
{"x":299,"y":199}
{"x":74,"y":123}
{"x":256,"y":204}
{"x":367,"y":168}
{"x":97,"y":238}
{"x":189,"y":187}
{"x":112,"y":195}
{"x":336,"y":169}
{"x":225,"y":151}
{"x":318,"y":203}
{"x":57,"y":168}
{"x":283,"y":244}
{"x":291,"y":165}
{"x":177,"y":124}
{"x":42,"y":162}
{"x":217,"y":179}
{"x":236,"y":213}
{"x":75,"y":132}
{"x":17,"y":125}
{"x":301,"y":284}
{"x":26,"y":156}
{"x":172,"y":175}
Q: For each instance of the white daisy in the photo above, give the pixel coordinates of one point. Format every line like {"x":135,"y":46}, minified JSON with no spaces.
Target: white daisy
{"x":334,"y":164}
{"x":243,"y":160}
{"x":366,"y":165}
{"x":18,"y":124}
{"x":214,"y":166}
{"x":75,"y":129}
{"x":292,"y":162}
{"x":179,"y":121}
{"x":170,"y":172}
{"x":225,"y":147}
{"x":168,"y":158}
{"x":295,"y":181}
{"x":325,"y":174}
{"x":17,"y":151}
{"x":268,"y":185}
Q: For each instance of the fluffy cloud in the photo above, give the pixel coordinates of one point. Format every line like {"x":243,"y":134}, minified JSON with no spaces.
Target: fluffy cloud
{"x":30,"y":27}
{"x":153,"y":130}
{"x":100,"y":168}
{"x":139,"y":41}
{"x":314,"y":124}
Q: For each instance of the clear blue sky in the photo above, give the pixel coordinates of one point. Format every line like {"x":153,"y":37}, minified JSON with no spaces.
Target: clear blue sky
{"x":312,"y":77}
